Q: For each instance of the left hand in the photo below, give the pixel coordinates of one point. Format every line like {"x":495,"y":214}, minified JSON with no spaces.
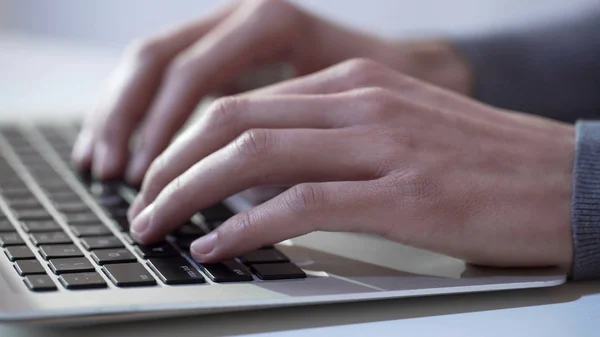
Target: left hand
{"x":368,"y":149}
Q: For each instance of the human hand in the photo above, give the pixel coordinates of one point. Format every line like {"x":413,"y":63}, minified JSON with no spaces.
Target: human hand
{"x":161,"y":80}
{"x":368,"y":149}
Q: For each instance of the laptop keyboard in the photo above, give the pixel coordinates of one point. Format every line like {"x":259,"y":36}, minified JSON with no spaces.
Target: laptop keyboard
{"x":62,"y":230}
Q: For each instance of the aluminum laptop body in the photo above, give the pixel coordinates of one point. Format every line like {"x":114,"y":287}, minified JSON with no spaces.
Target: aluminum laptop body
{"x":56,"y":270}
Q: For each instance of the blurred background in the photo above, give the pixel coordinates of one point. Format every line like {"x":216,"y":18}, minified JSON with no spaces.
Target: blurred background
{"x":115,"y":22}
{"x":55,"y":54}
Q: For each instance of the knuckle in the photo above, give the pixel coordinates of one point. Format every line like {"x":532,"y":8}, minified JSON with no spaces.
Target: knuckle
{"x":271,"y":7}
{"x":415,"y":186}
{"x":224,"y":111}
{"x":363,"y":72}
{"x":147,"y":51}
{"x":281,"y":15}
{"x":253,"y":143}
{"x":268,"y":3}
{"x":175,"y":187}
{"x":377,"y":102}
{"x":305,"y":198}
{"x":243,"y":224}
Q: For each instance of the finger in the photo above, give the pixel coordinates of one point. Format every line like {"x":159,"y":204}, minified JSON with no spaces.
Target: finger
{"x":363,"y":73}
{"x":228,"y":50}
{"x":258,"y":157}
{"x":129,"y":93}
{"x":83,"y":150}
{"x":228,"y":118}
{"x":331,"y":206}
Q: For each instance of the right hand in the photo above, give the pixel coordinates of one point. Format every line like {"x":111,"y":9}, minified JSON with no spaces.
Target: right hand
{"x":161,"y":80}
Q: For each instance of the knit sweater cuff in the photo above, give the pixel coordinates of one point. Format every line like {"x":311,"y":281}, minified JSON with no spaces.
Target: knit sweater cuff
{"x":586,"y":202}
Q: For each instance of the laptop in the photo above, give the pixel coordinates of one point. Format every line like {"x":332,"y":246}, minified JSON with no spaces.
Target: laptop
{"x":66,"y":256}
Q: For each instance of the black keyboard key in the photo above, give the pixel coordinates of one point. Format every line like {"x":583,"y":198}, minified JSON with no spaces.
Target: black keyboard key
{"x":227,"y":271}
{"x":17,"y":186}
{"x":117,"y":212}
{"x":90,"y":280}
{"x":29,"y":267}
{"x":82,"y":219}
{"x":33,"y":214}
{"x":39,"y":283}
{"x":10,"y":239}
{"x":161,"y":250}
{"x":72,"y":207}
{"x":27,"y":150}
{"x":65,"y":197}
{"x":18,"y":194}
{"x":90,"y":230}
{"x":278,"y":271}
{"x":85,"y":177}
{"x":41,"y":170}
{"x":216,"y":212}
{"x":189,"y":229}
{"x":71,"y":265}
{"x":185,"y":242}
{"x":52,"y":184}
{"x":59,"y":251}
{"x":129,"y":275}
{"x":175,"y":270}
{"x":32,"y":159}
{"x":113,"y":201}
{"x":212,"y":225}
{"x":6,"y":226}
{"x":102,"y":242}
{"x":14,"y":184}
{"x":106,"y":188}
{"x":15,"y":253}
{"x":264,"y":256}
{"x":50,"y":238}
{"x":56,"y":186}
{"x":122,"y":223}
{"x":108,"y":256}
{"x":60,"y":196}
{"x":41,"y":226}
{"x":24,"y":204}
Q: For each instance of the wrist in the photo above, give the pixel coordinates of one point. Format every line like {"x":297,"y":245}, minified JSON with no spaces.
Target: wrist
{"x":434,"y":61}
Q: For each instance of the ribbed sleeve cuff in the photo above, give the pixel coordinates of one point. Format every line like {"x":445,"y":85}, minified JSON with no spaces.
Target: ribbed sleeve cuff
{"x":586,"y":202}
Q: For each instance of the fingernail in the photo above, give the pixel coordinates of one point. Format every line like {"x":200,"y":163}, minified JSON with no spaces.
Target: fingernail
{"x":136,"y":207}
{"x":105,"y":163}
{"x":137,"y":169}
{"x":82,"y":151}
{"x":141,"y":224}
{"x":204,"y":245}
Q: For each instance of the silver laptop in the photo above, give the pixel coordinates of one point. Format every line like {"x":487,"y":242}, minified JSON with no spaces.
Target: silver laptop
{"x":66,"y":256}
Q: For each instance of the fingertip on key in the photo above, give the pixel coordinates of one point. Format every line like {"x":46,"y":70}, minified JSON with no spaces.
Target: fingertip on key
{"x":202,"y":248}
{"x":105,"y":164}
{"x":136,"y":169}
{"x":83,"y":150}
{"x":136,"y":207}
{"x":142,"y":223}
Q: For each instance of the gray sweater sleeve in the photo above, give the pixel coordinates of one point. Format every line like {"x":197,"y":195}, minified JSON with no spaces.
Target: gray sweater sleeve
{"x":551,"y":70}
{"x":586,"y":202}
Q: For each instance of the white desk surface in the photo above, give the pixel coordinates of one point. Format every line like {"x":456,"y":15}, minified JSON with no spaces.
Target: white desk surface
{"x":42,"y":77}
